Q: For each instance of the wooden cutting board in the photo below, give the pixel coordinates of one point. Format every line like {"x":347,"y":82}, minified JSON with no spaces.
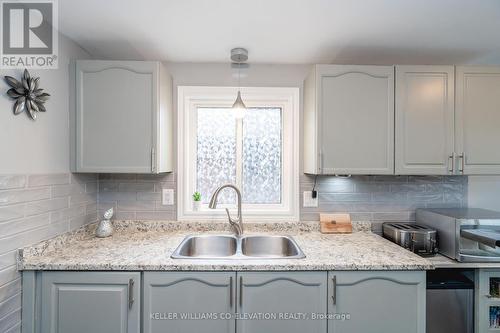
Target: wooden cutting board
{"x":335,"y":223}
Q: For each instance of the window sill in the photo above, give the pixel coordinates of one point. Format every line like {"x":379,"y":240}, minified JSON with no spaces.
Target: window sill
{"x":207,"y":215}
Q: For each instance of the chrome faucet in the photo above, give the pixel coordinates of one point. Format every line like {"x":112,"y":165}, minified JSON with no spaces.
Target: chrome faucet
{"x":237,"y":223}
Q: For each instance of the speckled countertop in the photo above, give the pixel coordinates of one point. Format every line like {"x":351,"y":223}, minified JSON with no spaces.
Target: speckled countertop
{"x":137,"y":246}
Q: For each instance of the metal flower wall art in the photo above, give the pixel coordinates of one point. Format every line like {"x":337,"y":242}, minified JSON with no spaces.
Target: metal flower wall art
{"x":28,"y":95}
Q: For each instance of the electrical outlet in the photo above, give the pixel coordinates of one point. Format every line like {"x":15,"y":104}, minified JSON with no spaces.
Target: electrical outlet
{"x":167,"y":197}
{"x":309,"y":201}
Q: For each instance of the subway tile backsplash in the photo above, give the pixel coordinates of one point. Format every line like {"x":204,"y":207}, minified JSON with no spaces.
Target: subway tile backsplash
{"x":383,"y":198}
{"x":34,"y":208}
{"x":136,"y":196}
{"x":366,"y":198}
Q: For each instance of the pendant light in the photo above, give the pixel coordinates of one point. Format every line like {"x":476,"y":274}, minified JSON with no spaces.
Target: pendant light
{"x":239,"y":56}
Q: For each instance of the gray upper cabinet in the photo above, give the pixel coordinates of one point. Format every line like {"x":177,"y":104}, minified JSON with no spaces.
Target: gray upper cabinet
{"x":83,"y":302}
{"x":281,"y":293}
{"x":424,"y":120}
{"x":478,"y":119}
{"x":385,"y":301}
{"x":189,"y":294}
{"x":123,"y":119}
{"x":349,"y":120}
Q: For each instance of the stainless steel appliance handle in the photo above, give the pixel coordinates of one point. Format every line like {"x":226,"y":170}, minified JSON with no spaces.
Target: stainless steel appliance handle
{"x":485,"y":236}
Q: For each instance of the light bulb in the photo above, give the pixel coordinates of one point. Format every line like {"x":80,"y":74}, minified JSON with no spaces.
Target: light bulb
{"x":239,"y":108}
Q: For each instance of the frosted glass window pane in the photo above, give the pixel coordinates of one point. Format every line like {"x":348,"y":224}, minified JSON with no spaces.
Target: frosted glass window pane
{"x":262,"y":144}
{"x":216,"y":152}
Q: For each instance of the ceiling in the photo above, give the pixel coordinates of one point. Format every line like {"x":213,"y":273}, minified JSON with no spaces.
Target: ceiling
{"x":287,"y":31}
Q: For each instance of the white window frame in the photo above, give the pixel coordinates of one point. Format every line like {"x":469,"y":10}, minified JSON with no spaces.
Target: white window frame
{"x":190,"y":98}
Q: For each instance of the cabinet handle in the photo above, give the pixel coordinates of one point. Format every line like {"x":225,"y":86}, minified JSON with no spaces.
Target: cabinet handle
{"x":334,"y":289}
{"x":462,"y":162}
{"x":131,"y":293}
{"x":153,"y":159}
{"x":452,"y":158}
{"x":241,"y":291}
{"x":231,"y":292}
{"x":320,"y":168}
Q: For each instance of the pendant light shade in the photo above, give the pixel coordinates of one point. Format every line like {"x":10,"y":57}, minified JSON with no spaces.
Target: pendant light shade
{"x":239,"y":56}
{"x":239,"y":108}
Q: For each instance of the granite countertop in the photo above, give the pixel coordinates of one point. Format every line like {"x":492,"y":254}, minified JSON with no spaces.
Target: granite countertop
{"x":137,"y":246}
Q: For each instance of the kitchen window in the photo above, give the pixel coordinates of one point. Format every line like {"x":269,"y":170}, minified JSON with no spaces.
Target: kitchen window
{"x":258,"y":153}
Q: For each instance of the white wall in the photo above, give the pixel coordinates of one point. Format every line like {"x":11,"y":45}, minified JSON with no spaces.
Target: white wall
{"x":484,"y":192}
{"x":37,"y":207}
{"x":40,"y":146}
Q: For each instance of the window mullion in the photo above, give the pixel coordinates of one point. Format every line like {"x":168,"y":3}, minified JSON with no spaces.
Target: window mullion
{"x":239,"y":153}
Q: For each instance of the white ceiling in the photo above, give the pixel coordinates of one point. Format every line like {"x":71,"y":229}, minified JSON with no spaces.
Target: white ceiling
{"x":287,"y":31}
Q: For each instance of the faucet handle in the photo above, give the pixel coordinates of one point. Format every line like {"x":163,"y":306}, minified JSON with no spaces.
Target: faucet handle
{"x":229,"y":216}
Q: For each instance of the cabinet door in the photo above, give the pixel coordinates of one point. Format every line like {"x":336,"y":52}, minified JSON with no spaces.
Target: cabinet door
{"x":389,"y":302}
{"x":425,"y":120}
{"x":115,"y":103}
{"x":175,"y":301}
{"x":478,"y":119}
{"x":97,"y":302}
{"x":278,"y":295}
{"x":356,"y":120}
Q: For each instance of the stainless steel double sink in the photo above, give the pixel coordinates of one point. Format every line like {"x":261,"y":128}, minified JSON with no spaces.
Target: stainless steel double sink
{"x":232,"y":247}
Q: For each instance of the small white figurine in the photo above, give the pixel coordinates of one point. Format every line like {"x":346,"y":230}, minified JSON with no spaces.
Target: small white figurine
{"x":105,"y":227}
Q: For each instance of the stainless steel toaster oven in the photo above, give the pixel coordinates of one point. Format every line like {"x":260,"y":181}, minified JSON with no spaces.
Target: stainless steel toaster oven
{"x":465,"y":234}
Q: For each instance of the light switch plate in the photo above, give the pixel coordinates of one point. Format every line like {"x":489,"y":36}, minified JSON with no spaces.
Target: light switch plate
{"x":309,"y":201}
{"x":167,"y":197}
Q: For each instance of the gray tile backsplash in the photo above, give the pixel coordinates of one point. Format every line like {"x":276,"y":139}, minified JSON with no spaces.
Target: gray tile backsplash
{"x":136,"y":196}
{"x":368,"y":198}
{"x":34,"y":208}
{"x":383,"y":198}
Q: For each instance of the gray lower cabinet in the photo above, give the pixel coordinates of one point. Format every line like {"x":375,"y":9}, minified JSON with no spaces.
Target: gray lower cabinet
{"x":226,"y":302}
{"x":188,"y":302}
{"x":281,"y":294}
{"x":385,"y":301}
{"x":84,"y":302}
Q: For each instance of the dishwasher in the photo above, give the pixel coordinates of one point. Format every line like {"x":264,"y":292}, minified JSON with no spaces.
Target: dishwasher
{"x":450,"y":301}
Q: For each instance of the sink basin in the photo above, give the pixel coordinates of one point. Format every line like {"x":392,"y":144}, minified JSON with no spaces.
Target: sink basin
{"x":207,"y":246}
{"x":231,"y":247}
{"x":270,"y":247}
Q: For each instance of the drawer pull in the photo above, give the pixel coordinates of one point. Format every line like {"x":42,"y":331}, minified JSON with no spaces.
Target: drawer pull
{"x":334,"y":290}
{"x":231,"y":292}
{"x":131,"y":293}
